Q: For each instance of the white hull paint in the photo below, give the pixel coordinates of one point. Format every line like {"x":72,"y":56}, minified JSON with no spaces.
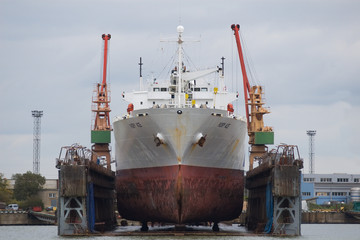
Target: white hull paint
{"x":223,"y":147}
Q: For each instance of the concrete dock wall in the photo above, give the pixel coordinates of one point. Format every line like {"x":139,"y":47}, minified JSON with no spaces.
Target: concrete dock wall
{"x":18,"y":218}
{"x":327,"y":217}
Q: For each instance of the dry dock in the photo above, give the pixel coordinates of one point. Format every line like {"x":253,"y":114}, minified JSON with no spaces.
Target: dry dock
{"x":274,"y":193}
{"x":86,"y":192}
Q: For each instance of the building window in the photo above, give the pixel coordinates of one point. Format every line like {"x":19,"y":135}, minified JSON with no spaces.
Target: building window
{"x":342,"y":180}
{"x":156,"y":89}
{"x":322,"y":194}
{"x":356,"y":179}
{"x":52,"y":195}
{"x":325,"y":180}
{"x":204,"y":89}
{"x":339,"y":193}
{"x":306,"y":193}
{"x":163,"y":89}
{"x":309,"y":179}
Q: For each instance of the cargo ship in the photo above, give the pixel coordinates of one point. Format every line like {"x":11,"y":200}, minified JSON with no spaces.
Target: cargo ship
{"x":180,"y":149}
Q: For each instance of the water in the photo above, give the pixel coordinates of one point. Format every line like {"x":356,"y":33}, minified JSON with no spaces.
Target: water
{"x":309,"y":231}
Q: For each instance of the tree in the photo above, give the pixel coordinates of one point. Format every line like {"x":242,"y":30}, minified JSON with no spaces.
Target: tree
{"x":33,"y":201}
{"x":5,"y":193}
{"x":27,"y":185}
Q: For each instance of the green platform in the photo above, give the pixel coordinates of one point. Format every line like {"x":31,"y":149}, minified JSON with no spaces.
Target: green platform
{"x":100,"y":136}
{"x":264,"y":137}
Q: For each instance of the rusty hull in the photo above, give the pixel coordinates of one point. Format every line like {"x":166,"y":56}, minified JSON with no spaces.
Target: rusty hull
{"x":180,"y":194}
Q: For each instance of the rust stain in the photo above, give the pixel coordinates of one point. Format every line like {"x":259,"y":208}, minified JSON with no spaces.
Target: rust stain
{"x":183,"y":194}
{"x":179,"y":193}
{"x":179,"y":159}
{"x":179,"y":133}
{"x":177,"y":138}
{"x":193,"y":147}
{"x":235,"y":145}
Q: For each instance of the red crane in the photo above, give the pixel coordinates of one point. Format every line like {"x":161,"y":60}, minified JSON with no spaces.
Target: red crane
{"x":243,"y":70}
{"x":259,"y":135}
{"x":101,"y":130}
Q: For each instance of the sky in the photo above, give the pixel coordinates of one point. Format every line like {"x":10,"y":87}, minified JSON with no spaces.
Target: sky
{"x":306,"y":54}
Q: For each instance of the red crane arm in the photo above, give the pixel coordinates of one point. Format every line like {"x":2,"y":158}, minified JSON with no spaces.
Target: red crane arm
{"x":106,"y":38}
{"x":246,"y":84}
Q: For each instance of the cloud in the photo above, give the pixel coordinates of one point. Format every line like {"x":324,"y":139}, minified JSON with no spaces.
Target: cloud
{"x":336,"y":128}
{"x":305,"y":53}
{"x":16,"y":152}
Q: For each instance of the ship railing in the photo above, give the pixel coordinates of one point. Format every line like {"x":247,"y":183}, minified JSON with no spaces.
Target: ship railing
{"x":188,"y":104}
{"x":171,"y":103}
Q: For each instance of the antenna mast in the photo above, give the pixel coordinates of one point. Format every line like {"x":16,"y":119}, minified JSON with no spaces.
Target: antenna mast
{"x":141,"y":77}
{"x":180,"y":30}
{"x":36,"y":142}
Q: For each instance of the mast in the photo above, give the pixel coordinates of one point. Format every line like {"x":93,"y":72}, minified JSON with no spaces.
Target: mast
{"x":141,"y":77}
{"x":221,"y":82}
{"x":222,"y":66}
{"x":180,"y":30}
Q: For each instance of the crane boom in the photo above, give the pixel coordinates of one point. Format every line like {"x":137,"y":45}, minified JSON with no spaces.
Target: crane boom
{"x":243,"y":70}
{"x":106,"y":38}
{"x":258,"y":134}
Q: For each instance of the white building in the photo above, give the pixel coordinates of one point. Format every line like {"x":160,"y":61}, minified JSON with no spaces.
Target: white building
{"x":329,"y":187}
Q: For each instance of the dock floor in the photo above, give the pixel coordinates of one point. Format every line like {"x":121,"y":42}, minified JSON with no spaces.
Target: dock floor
{"x":188,"y":230}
